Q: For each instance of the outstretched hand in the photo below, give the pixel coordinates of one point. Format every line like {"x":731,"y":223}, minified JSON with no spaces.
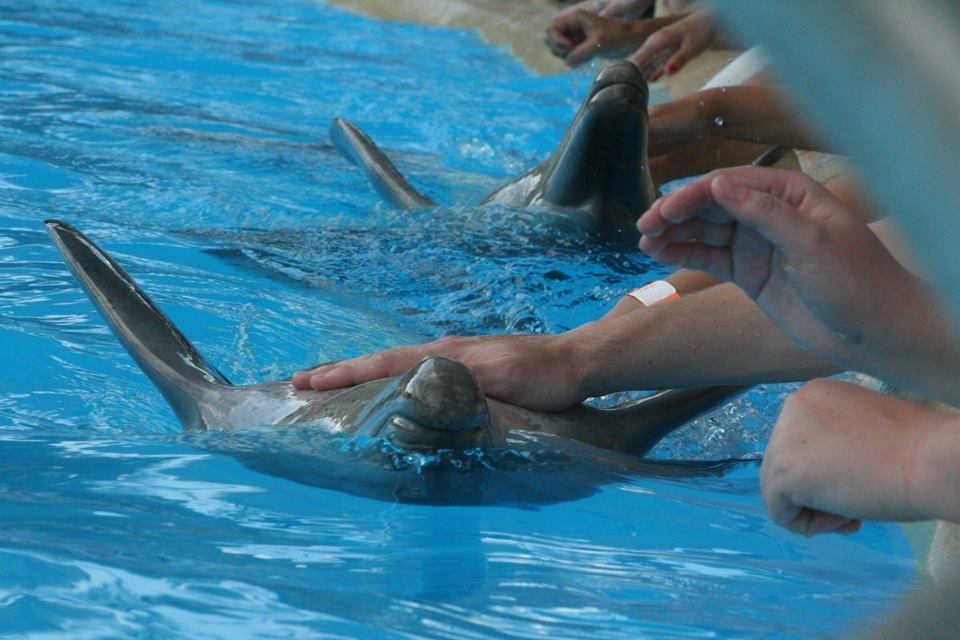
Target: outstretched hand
{"x":533,"y":371}
{"x":671,"y":47}
{"x":813,"y":266}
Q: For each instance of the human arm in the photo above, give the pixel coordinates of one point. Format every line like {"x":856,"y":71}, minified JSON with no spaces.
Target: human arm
{"x":840,"y":454}
{"x":611,"y":8}
{"x":697,"y":340}
{"x":683,"y":281}
{"x":578,"y":36}
{"x":815,"y":268}
{"x":750,"y":113}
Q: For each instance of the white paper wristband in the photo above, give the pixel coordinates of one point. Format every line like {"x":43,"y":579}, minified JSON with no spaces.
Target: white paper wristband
{"x":655,"y":292}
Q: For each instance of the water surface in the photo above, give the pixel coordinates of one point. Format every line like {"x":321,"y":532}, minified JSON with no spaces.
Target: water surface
{"x":191,"y":142}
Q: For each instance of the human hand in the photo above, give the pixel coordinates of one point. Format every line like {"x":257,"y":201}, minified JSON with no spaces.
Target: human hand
{"x":533,"y":371}
{"x":670,"y":48}
{"x":812,"y":265}
{"x":840,"y":454}
{"x":578,"y":36}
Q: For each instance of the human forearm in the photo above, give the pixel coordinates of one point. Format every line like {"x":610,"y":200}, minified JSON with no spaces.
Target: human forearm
{"x":909,"y":341}
{"x":713,"y":337}
{"x":683,"y":281}
{"x":752,"y":113}
{"x":935,"y":486}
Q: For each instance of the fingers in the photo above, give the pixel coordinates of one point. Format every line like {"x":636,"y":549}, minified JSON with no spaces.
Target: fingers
{"x":811,"y":522}
{"x":583,"y":52}
{"x":773,"y":218}
{"x":650,"y":60}
{"x":655,"y":52}
{"x":573,"y":34}
{"x":582,"y":33}
{"x":717,"y":261}
{"x":749,"y":195}
{"x":679,"y":59}
{"x":797,"y":518}
{"x":691,"y":202}
{"x":557,"y":37}
{"x":348,"y":373}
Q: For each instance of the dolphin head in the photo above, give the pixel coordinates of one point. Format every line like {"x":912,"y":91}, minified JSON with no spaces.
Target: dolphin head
{"x":601,"y":165}
{"x":437,"y":404}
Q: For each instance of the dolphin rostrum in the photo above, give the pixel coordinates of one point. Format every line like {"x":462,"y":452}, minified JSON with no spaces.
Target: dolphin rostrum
{"x":435,"y":405}
{"x":600,"y":172}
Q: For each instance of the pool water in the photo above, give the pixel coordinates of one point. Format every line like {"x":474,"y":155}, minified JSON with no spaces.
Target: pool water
{"x":190,"y":140}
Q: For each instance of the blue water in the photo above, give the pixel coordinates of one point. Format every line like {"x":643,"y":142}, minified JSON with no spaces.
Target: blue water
{"x":190,"y":140}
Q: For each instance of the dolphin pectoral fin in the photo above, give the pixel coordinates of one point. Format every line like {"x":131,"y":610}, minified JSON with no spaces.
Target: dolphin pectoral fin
{"x":357,"y":147}
{"x":640,"y":426}
{"x":165,"y":355}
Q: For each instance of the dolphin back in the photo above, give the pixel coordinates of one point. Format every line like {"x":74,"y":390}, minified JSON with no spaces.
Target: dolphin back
{"x":357,"y":147}
{"x":165,"y":355}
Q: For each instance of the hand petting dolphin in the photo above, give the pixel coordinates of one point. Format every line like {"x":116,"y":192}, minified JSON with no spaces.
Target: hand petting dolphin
{"x":435,"y":405}
{"x":600,"y":171}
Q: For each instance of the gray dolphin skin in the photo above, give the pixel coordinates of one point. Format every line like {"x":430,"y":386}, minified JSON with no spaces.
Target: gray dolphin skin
{"x":436,"y":405}
{"x":357,"y":147}
{"x":599,"y":173}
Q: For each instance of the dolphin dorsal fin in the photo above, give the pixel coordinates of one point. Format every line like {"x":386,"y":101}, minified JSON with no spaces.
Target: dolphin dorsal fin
{"x":165,"y":355}
{"x":357,"y":147}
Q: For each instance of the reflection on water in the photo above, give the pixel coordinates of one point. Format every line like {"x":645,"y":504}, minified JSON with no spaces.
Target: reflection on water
{"x":194,"y":148}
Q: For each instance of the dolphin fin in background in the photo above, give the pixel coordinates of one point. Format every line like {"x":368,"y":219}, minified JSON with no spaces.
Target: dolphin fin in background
{"x":165,"y":355}
{"x":357,"y":147}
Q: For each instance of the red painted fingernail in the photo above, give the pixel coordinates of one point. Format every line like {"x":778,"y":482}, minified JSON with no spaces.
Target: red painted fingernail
{"x":672,"y":68}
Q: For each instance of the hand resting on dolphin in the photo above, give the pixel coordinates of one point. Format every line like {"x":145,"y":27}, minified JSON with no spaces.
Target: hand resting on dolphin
{"x":436,"y":404}
{"x":599,"y":174}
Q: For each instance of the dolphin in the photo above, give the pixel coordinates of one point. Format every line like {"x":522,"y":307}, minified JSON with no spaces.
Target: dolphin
{"x":437,"y":404}
{"x":599,"y":175}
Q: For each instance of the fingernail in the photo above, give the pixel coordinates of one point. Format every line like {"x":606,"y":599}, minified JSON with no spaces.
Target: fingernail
{"x":672,"y":68}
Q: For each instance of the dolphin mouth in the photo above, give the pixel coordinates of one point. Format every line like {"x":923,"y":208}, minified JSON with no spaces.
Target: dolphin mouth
{"x":622,"y":75}
{"x":411,"y":434}
{"x":625,"y":93}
